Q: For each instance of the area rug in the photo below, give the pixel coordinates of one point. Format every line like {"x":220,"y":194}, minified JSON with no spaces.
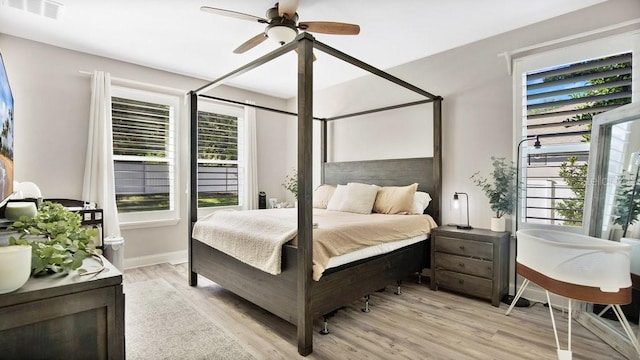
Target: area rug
{"x":160,"y":325}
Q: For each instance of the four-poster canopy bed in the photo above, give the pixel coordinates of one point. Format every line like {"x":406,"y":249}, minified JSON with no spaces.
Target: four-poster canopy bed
{"x":293,"y":295}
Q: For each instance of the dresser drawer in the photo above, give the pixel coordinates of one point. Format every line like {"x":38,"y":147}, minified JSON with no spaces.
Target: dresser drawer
{"x":464,"y":283}
{"x":476,"y":249}
{"x":477,"y":267}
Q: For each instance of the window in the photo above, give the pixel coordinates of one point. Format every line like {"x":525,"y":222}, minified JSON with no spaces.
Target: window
{"x":557,"y":104}
{"x":220,"y":155}
{"x":144,"y":154}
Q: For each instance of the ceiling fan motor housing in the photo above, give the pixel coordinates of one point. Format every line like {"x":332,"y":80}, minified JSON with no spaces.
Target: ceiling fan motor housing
{"x":278,"y":28}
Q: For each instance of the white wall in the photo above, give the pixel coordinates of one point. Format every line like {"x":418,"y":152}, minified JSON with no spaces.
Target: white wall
{"x":51,"y":125}
{"x":477,"y":106}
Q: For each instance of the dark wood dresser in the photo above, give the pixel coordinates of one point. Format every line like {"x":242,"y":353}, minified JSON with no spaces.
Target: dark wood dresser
{"x":65,"y":317}
{"x":473,"y":262}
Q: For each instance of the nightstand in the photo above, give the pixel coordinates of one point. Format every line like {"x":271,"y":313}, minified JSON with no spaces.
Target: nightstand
{"x":473,"y":262}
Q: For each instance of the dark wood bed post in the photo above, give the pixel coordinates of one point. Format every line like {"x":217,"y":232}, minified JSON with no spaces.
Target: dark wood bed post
{"x":437,"y":157}
{"x":305,"y":210}
{"x":323,"y":148}
{"x":193,"y":181}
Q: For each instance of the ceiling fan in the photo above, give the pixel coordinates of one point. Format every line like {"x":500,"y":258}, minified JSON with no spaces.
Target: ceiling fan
{"x":282,"y":24}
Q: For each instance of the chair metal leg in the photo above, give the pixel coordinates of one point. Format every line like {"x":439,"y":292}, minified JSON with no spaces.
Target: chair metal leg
{"x":562,"y":354}
{"x":627,"y":328}
{"x":518,"y":295}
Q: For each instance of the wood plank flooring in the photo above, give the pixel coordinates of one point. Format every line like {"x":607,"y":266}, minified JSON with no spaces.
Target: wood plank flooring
{"x":419,"y":324}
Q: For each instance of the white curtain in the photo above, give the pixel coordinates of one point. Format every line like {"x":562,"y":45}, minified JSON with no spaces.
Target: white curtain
{"x":99,"y":183}
{"x":250,"y":158}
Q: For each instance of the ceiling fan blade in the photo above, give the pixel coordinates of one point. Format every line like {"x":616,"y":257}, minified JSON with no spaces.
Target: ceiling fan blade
{"x":233,"y":14}
{"x":328,"y":27}
{"x":288,"y":7}
{"x":250,"y":44}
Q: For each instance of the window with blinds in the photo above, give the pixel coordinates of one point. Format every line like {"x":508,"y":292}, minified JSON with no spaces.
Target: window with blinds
{"x":218,"y":159}
{"x":559,"y":104}
{"x":143,"y":154}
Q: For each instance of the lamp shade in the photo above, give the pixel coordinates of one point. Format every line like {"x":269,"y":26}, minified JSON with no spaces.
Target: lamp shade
{"x":456,"y":205}
{"x":282,"y":34}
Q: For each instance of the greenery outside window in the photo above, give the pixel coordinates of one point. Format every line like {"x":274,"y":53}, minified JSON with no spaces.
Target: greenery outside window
{"x":558,"y":103}
{"x":144,"y":154}
{"x":220,"y":155}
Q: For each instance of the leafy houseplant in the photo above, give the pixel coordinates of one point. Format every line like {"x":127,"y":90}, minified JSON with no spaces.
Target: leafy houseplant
{"x":627,"y":208}
{"x":58,"y":241}
{"x":291,"y":183}
{"x":500,"y":187}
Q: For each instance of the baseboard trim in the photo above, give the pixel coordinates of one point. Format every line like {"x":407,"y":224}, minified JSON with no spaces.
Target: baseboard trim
{"x":175,"y":257}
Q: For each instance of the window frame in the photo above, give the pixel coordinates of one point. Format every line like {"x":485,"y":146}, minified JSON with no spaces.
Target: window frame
{"x":602,"y":47}
{"x":152,"y":218}
{"x":239,"y":113}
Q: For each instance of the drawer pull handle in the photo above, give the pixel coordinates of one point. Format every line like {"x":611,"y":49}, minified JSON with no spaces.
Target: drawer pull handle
{"x":461,"y":265}
{"x":461,"y":281}
{"x":461,"y":247}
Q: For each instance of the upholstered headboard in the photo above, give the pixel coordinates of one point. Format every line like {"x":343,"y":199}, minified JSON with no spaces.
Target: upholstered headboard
{"x":391,"y":172}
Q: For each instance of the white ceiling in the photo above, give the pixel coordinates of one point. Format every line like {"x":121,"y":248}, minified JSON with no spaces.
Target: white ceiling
{"x":174,"y":35}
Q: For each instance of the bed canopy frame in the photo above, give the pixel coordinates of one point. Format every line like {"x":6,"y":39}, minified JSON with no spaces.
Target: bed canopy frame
{"x":304,"y":44}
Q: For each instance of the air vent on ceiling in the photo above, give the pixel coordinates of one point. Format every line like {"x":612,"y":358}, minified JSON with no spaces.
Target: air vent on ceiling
{"x":46,"y":8}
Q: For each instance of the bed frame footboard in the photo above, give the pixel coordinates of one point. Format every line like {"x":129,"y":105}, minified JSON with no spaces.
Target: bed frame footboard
{"x":277,"y":293}
{"x":274,"y":293}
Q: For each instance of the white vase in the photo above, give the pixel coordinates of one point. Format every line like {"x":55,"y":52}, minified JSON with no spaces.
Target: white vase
{"x":498,"y":224}
{"x":15,"y":267}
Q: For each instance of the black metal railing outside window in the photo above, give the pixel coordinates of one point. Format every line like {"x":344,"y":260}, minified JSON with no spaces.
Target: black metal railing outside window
{"x":560,"y":104}
{"x":218,"y":153}
{"x":143,"y":154}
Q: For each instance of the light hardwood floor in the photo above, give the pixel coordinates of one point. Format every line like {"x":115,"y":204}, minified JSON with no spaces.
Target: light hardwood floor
{"x":419,"y":324}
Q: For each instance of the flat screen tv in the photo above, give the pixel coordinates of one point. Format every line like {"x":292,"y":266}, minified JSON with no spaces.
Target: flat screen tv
{"x":6,"y":136}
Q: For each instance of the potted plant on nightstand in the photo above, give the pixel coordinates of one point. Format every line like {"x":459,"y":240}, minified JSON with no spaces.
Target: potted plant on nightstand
{"x":291,"y":184}
{"x":500,"y":189}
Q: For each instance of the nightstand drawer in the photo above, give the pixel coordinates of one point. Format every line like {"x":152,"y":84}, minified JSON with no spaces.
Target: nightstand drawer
{"x":476,"y":249}
{"x":477,"y":267}
{"x":463,"y":283}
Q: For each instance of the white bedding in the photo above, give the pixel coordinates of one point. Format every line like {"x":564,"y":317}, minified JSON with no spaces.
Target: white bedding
{"x":372,"y":251}
{"x":256,"y":237}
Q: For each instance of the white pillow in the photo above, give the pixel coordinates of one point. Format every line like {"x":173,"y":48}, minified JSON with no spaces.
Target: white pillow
{"x":335,"y":203}
{"x":359,"y":198}
{"x":420,"y":202}
{"x":322,"y":195}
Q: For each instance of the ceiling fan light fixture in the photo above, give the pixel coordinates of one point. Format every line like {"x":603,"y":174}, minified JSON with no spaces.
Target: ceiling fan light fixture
{"x":281,"y":34}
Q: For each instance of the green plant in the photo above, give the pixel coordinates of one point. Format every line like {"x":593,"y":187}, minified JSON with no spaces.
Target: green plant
{"x":575,"y":175}
{"x":627,"y":206}
{"x":291,"y":183}
{"x":501,"y":188}
{"x":58,"y":241}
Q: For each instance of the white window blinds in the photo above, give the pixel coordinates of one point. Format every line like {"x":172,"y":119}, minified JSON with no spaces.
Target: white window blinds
{"x":143,"y":149}
{"x":219,"y":151}
{"x":559,"y":103}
